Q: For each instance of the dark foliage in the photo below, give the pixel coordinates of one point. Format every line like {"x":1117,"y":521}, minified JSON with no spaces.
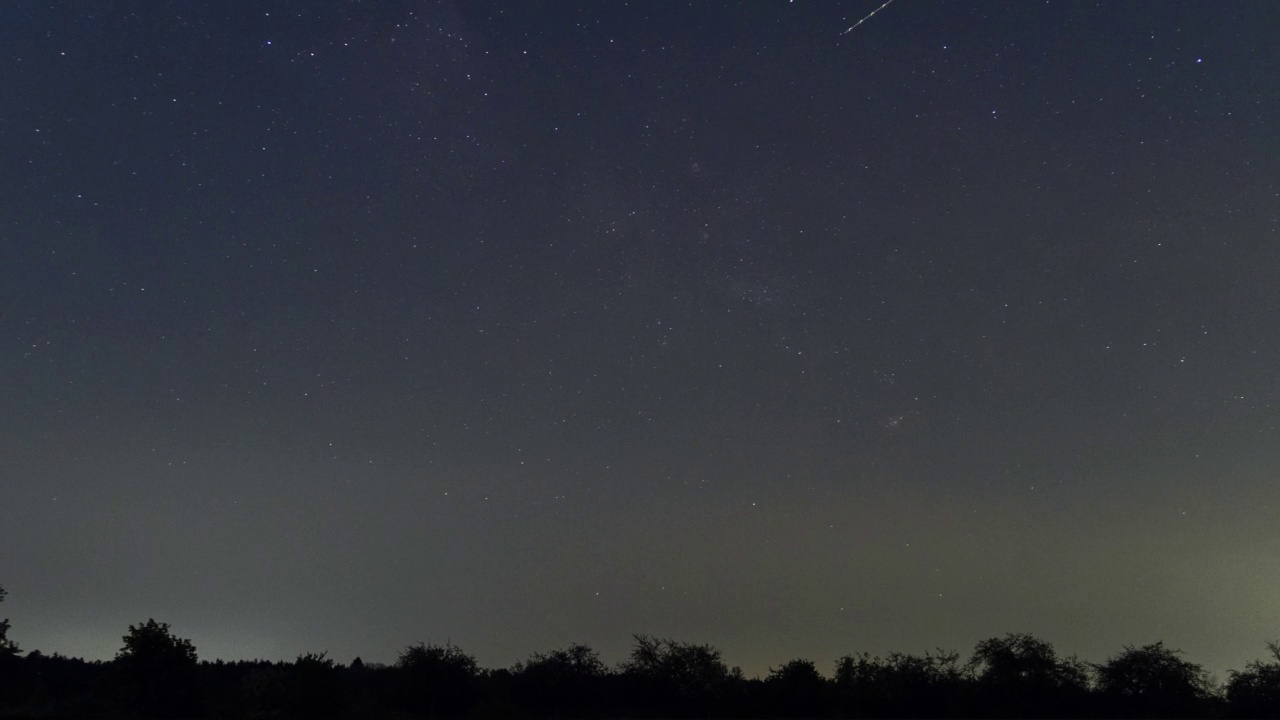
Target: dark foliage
{"x":1255,"y":691}
{"x":901,"y":685}
{"x":1152,"y":681}
{"x":667,"y":678}
{"x":562,"y":683}
{"x":156,"y":674}
{"x":40,"y":685}
{"x":310,"y":687}
{"x":437,"y":680}
{"x":796,"y":690}
{"x":8,"y":648}
{"x":1022,"y":676}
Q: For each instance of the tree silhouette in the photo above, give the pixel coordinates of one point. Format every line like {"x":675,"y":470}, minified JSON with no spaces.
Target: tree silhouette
{"x":561,"y":683}
{"x":437,"y":680}
{"x":157,"y":675}
{"x":8,"y":660}
{"x":900,"y":685}
{"x":1021,"y":675}
{"x":675,"y":677}
{"x":8,"y":648}
{"x":157,"y":671}
{"x":796,"y":689}
{"x":1255,"y":691}
{"x":310,"y":687}
{"x":1152,"y":681}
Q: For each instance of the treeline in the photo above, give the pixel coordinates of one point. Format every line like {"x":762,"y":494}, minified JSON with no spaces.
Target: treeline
{"x":157,"y":675}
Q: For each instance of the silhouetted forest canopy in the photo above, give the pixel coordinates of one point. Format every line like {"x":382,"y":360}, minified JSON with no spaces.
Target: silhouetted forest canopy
{"x":157,"y":674}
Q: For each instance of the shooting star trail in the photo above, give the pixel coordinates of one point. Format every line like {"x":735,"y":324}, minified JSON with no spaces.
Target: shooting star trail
{"x":868,"y":17}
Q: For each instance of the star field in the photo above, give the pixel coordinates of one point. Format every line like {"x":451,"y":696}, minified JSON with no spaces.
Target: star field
{"x":342,"y":325}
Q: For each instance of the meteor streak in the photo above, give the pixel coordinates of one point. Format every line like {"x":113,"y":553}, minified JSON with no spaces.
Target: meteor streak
{"x":868,"y":17}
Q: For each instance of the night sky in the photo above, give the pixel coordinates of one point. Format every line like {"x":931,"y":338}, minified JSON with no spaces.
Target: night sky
{"x":339,"y":325}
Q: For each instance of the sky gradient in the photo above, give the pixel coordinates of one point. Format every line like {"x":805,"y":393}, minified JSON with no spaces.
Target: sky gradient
{"x":342,"y":325}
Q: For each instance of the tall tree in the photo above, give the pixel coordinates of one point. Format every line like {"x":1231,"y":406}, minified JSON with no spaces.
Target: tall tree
{"x":8,"y":648}
{"x":158,"y":671}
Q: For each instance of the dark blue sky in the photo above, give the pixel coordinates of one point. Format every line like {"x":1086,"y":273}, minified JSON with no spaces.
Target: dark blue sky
{"x":341,"y":325}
